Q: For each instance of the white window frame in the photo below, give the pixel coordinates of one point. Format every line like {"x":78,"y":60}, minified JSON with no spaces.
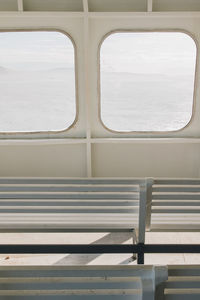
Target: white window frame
{"x":164,"y":132}
{"x":49,"y":132}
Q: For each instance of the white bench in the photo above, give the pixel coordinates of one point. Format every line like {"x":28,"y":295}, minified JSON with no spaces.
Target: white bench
{"x":67,"y":205}
{"x":183,"y":283}
{"x":79,"y":282}
{"x":173,"y":282}
{"x":172,"y":204}
{"x":91,"y":205}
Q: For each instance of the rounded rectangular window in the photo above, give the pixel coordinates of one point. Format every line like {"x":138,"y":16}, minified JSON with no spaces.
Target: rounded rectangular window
{"x":147,"y":81}
{"x":37,"y":81}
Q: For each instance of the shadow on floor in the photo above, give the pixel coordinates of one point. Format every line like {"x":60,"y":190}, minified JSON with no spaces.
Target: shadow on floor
{"x":84,"y":259}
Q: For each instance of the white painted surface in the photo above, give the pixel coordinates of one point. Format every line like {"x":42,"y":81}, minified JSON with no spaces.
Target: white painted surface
{"x":129,"y":157}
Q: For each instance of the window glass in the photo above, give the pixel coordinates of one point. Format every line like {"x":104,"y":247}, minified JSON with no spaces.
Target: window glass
{"x":37,"y":81}
{"x":147,"y":81}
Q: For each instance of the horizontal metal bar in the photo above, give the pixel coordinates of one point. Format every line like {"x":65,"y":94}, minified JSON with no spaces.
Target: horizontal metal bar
{"x":172,"y":248}
{"x":99,"y":248}
{"x":76,"y":249}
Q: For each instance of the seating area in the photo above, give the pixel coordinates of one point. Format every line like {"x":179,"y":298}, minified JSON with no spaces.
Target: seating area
{"x":100,"y":282}
{"x":99,"y":150}
{"x":68,"y":204}
{"x":137,"y":206}
{"x":173,"y":204}
{"x":39,"y":204}
{"x":100,"y":205}
{"x":105,"y":282}
{"x":182,"y":283}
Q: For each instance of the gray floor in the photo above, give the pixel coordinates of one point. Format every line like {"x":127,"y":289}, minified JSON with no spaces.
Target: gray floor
{"x":98,"y":259}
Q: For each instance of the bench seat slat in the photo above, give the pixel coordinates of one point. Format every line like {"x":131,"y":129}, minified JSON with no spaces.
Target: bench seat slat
{"x":66,"y":203}
{"x":71,"y":195}
{"x":175,"y":189}
{"x":175,"y":204}
{"x":63,"y":209}
{"x":64,"y":279}
{"x":77,"y":188}
{"x":176,"y":181}
{"x":71,"y":292}
{"x":63,"y":180}
{"x":178,"y":203}
{"x":175,"y":210}
{"x":176,"y":196}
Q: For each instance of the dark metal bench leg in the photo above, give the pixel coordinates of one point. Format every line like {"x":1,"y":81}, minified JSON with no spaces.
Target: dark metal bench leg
{"x":140,"y":255}
{"x":134,"y":256}
{"x":140,"y":258}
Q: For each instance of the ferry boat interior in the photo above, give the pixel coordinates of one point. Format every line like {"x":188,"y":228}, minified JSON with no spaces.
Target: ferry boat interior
{"x":99,"y":149}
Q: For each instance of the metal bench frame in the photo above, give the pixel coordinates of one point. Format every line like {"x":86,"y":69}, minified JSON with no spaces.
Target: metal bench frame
{"x":138,"y":247}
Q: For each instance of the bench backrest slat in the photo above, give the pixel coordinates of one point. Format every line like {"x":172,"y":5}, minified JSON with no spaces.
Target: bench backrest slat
{"x":175,"y":204}
{"x":63,"y":203}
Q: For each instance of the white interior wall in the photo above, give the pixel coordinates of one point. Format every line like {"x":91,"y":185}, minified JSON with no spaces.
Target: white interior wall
{"x":178,"y":5}
{"x":146,"y":159}
{"x":88,"y":148}
{"x":117,"y":5}
{"x":43,"y":160}
{"x":52,"y":5}
{"x":8,"y":5}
